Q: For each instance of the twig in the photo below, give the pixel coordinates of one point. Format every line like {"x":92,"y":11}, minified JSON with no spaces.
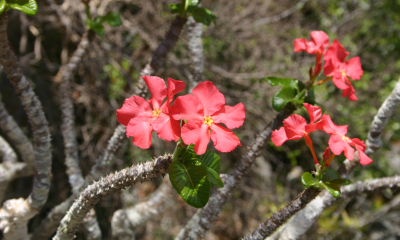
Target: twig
{"x":280,"y":217}
{"x":303,"y":220}
{"x":195,"y":52}
{"x":16,"y":136}
{"x":65,"y":75}
{"x":107,"y":185}
{"x":125,"y":222}
{"x":204,"y":218}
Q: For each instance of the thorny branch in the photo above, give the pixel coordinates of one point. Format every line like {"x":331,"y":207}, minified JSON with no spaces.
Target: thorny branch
{"x":195,"y":46}
{"x":104,"y":187}
{"x":16,"y":212}
{"x":204,"y":218}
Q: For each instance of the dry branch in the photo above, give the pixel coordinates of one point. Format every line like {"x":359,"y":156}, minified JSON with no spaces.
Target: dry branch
{"x":104,"y":187}
{"x":37,"y":119}
{"x":195,"y":46}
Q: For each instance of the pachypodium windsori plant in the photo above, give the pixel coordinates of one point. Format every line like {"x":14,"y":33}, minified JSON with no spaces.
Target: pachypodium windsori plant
{"x":194,"y":168}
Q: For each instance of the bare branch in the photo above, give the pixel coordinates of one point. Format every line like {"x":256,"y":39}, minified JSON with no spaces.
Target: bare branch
{"x":195,"y":52}
{"x":204,"y":218}
{"x":125,"y":221}
{"x":16,"y":136}
{"x":111,"y":183}
{"x":280,"y":217}
{"x":6,"y":152}
{"x":37,"y":119}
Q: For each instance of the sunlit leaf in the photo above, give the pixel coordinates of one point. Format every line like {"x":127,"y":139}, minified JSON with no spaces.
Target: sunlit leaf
{"x":27,"y":6}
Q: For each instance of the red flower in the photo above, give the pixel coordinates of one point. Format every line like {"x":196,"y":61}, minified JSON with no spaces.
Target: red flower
{"x":339,"y":142}
{"x":319,"y":41}
{"x":141,"y":118}
{"x":295,"y":127}
{"x":340,"y":70}
{"x":203,"y":111}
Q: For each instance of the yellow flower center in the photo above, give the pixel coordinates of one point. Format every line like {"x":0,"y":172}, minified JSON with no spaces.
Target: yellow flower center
{"x":156,"y":112}
{"x":343,"y":73}
{"x":346,"y":138}
{"x":208,"y":120}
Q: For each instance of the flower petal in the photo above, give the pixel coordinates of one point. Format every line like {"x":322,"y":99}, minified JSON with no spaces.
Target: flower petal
{"x":329,"y":127}
{"x":294,"y":126}
{"x":314,"y":112}
{"x":210,"y":97}
{"x":321,"y":39}
{"x":330,"y":67}
{"x":167,"y":128}
{"x":158,"y":90}
{"x":300,"y":44}
{"x":339,"y":80}
{"x":232,"y":117}
{"x":140,"y":129}
{"x":197,"y":133}
{"x":187,"y":107}
{"x":224,"y":139}
{"x":364,"y":159}
{"x":338,"y":145}
{"x":353,"y":68}
{"x":174,"y":87}
{"x":336,"y":51}
{"x":349,"y":92}
{"x":278,"y":137}
{"x":133,"y":107}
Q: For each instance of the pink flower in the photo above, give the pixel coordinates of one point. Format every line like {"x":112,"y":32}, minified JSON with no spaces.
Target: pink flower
{"x":319,"y":41}
{"x":203,"y":111}
{"x":141,"y":118}
{"x":339,"y":142}
{"x":340,"y":70}
{"x":295,"y":126}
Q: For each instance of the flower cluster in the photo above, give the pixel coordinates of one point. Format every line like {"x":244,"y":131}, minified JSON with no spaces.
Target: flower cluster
{"x":295,"y":127}
{"x":336,"y":67}
{"x":203,"y":112}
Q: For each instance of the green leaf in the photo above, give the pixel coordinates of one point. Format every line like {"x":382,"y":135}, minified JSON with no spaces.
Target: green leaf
{"x":214,"y":177}
{"x":308,"y":180}
{"x":332,"y":188}
{"x":310,"y":98}
{"x":202,"y":15}
{"x":194,"y":2}
{"x":2,"y":6}
{"x":113,"y":19}
{"x":341,"y":182}
{"x":330,"y":174}
{"x":27,"y":6}
{"x":283,"y":82}
{"x":283,"y":96}
{"x":191,"y":181}
{"x":209,"y":160}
